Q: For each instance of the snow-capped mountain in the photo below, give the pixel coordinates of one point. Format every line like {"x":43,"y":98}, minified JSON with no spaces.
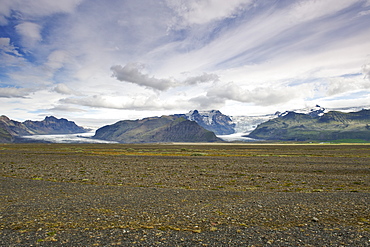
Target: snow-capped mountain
{"x":212,"y":120}
{"x":316,"y":111}
{"x":221,"y":124}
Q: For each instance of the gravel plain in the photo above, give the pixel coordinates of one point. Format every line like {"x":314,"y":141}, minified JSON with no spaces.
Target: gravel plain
{"x":184,"y":195}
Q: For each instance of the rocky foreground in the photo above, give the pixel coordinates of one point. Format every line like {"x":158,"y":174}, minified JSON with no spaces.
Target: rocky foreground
{"x":184,"y":195}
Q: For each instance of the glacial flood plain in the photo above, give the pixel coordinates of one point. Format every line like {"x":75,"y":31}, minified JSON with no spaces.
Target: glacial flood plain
{"x":63,"y":192}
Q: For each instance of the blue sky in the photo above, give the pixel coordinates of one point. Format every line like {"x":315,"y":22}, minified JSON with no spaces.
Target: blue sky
{"x":96,"y":62}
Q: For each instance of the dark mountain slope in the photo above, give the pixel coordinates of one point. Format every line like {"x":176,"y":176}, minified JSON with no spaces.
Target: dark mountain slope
{"x":330,"y":126}
{"x":51,"y":125}
{"x":155,"y":129}
{"x":11,"y":130}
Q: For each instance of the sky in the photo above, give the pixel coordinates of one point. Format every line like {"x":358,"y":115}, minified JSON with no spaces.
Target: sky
{"x":96,"y":62}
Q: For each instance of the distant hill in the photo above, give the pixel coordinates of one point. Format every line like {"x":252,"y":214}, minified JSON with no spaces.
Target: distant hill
{"x":333,"y":125}
{"x":51,"y":125}
{"x":156,"y":129}
{"x":11,"y":130}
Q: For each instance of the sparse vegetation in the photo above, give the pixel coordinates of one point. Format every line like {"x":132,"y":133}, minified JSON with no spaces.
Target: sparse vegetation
{"x":219,"y":167}
{"x":164,"y":187}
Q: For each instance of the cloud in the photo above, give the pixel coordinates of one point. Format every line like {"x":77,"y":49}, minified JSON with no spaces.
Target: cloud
{"x":64,"y":89}
{"x":35,"y":8}
{"x":30,"y":32}
{"x":65,"y":108}
{"x":207,"y":102}
{"x":366,"y":71}
{"x":263,"y":96}
{"x":5,"y":46}
{"x":138,"y":102}
{"x":30,"y":76}
{"x":132,"y":72}
{"x":13,"y":92}
{"x":201,"y":12}
{"x":339,"y":85}
{"x":271,"y":52}
{"x":205,"y":77}
{"x":46,"y":7}
{"x":9,"y":55}
{"x":366,"y":12}
{"x":93,"y":101}
{"x":303,"y":11}
{"x":357,"y":100}
{"x":57,"y":59}
{"x":297,"y":27}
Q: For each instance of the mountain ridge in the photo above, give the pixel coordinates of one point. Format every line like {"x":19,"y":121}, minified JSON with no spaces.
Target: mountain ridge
{"x":11,"y":130}
{"x":155,"y":129}
{"x":315,"y":123}
{"x":333,"y":125}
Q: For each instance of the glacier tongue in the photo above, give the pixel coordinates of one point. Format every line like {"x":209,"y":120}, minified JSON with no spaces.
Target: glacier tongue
{"x":236,"y":137}
{"x":245,"y":124}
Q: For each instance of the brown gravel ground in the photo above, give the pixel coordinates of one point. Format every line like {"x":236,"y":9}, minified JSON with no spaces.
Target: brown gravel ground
{"x":184,"y":195}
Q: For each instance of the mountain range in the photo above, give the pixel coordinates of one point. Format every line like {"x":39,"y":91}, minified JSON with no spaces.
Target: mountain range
{"x":12,"y":131}
{"x":207,"y":126}
{"x":318,"y":126}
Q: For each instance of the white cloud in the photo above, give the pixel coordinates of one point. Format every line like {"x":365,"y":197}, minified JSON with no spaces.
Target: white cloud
{"x":5,"y":11}
{"x":35,"y":8}
{"x":6,"y":46}
{"x":12,"y":92}
{"x":341,"y":85}
{"x":362,"y":13}
{"x":205,"y":77}
{"x":132,"y":72}
{"x":65,"y":108}
{"x":306,"y":10}
{"x":11,"y":60}
{"x":263,"y":96}
{"x":64,"y":89}
{"x":31,"y":77}
{"x":366,"y":71}
{"x":9,"y":55}
{"x":206,"y":102}
{"x":202,"y":12}
{"x":267,"y":34}
{"x":352,"y":102}
{"x":46,"y":7}
{"x":140,"y":102}
{"x":30,"y":32}
{"x":57,"y":59}
{"x":273,"y":53}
